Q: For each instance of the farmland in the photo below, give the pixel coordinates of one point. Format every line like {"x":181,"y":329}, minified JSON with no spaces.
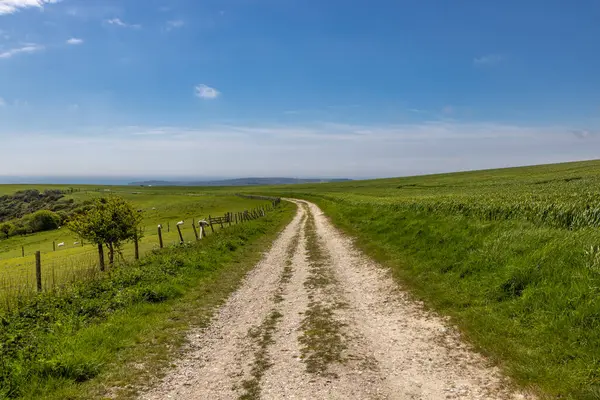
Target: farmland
{"x":512,"y":255}
{"x":77,"y":338}
{"x":164,"y":206}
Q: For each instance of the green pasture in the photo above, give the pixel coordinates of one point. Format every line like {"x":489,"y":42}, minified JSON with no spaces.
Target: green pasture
{"x":164,"y":206}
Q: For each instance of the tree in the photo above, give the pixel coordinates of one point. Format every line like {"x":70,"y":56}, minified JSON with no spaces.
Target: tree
{"x":43,"y":220}
{"x":6,"y":228}
{"x":109,"y":222}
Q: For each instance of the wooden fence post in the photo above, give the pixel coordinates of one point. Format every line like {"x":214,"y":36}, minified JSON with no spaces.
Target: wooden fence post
{"x":168,"y":227}
{"x":23,"y":251}
{"x":229,"y":218}
{"x":53,"y":245}
{"x":160,"y":241}
{"x":211,"y":225}
{"x":101,"y":256}
{"x":180,"y":235}
{"x":202,"y":232}
{"x":222,"y":222}
{"x":195,"y":231}
{"x":136,"y":247}
{"x":38,"y":270}
{"x":236,"y":216}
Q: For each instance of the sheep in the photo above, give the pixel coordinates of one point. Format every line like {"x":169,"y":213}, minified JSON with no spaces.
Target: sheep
{"x":180,"y":223}
{"x":61,"y":244}
{"x":154,"y":208}
{"x":159,"y":226}
{"x":75,"y":243}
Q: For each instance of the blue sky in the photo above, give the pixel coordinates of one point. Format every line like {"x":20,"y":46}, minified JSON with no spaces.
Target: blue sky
{"x":295,"y":87}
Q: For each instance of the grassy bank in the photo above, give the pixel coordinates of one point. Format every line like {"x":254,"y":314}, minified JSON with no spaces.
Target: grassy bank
{"x":512,"y":255}
{"x":105,"y":337}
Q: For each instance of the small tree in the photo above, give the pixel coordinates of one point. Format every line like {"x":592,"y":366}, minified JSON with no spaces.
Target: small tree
{"x":110,"y":222}
{"x":6,"y":228}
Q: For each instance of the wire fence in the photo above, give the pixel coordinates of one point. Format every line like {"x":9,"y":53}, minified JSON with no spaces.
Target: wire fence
{"x":40,"y":271}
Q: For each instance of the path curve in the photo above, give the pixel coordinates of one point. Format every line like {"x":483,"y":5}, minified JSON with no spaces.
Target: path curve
{"x":316,"y":319}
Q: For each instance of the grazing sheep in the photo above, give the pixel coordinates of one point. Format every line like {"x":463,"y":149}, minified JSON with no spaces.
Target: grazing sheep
{"x":180,"y":223}
{"x":61,"y":244}
{"x":75,"y":243}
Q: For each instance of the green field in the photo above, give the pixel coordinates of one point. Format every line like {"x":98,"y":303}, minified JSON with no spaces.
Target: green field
{"x":164,"y":206}
{"x":512,"y":255}
{"x":89,"y":339}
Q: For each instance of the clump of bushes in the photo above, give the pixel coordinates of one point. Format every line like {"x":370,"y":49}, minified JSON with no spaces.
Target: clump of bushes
{"x":31,"y":211}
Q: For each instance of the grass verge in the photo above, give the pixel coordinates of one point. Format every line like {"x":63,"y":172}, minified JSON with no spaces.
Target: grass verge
{"x":108,"y":337}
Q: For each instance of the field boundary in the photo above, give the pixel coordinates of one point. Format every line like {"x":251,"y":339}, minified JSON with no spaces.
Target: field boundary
{"x":14,"y":292}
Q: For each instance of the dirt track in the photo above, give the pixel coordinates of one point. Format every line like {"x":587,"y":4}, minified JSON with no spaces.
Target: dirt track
{"x":317,"y":320}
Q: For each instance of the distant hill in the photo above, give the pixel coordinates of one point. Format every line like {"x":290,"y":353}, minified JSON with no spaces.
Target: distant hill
{"x":238,"y":182}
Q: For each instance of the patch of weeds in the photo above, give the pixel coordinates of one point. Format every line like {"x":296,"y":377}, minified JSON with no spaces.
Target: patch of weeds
{"x":263,"y":336}
{"x":322,"y":339}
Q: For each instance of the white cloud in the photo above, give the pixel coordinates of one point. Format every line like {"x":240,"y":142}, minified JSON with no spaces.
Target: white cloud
{"x":322,"y":149}
{"x":489,"y":59}
{"x":119,"y":22}
{"x":175,"y":24}
{"x":206,"y":92}
{"x":75,"y":41}
{"x":28,"y":48}
{"x":12,"y":6}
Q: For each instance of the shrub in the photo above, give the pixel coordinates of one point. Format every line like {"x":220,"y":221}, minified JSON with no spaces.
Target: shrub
{"x":43,"y":220}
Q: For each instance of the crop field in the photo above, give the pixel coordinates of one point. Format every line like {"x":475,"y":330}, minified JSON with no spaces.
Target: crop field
{"x":512,"y":255}
{"x":72,"y":261}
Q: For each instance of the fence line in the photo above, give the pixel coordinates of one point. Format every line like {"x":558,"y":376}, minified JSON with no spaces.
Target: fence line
{"x":228,"y":219}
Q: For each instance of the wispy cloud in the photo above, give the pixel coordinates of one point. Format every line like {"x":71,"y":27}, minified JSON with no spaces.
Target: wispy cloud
{"x":75,"y":41}
{"x":206,"y":92}
{"x":489,"y":59}
{"x":330,"y":148}
{"x":175,"y":24}
{"x":448,"y":110}
{"x":29,"y":48}
{"x":119,"y":22}
{"x":583,"y":133}
{"x":12,"y":6}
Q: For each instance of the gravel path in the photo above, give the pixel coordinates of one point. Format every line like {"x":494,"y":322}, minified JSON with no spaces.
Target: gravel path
{"x":318,"y":320}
